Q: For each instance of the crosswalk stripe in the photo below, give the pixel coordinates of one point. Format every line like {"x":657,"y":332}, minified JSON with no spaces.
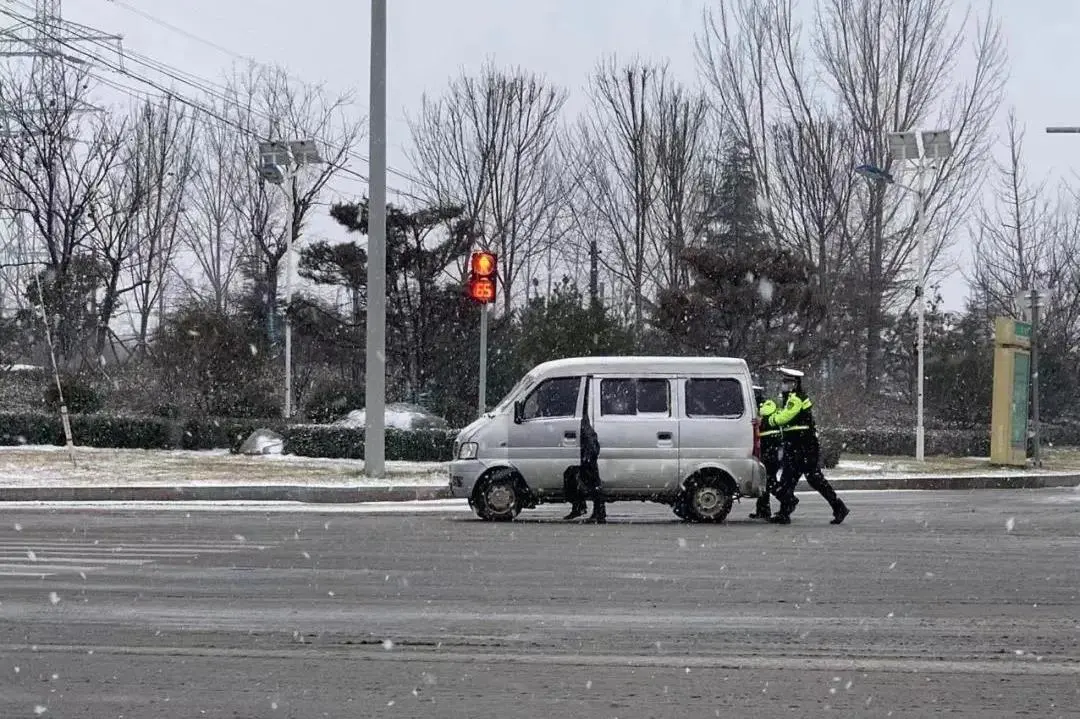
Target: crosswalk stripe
{"x":69,"y":560}
{"x":49,"y":557}
{"x":45,"y":567}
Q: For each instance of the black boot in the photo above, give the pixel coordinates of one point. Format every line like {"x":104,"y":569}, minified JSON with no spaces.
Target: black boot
{"x":762,"y":511}
{"x":599,"y":514}
{"x":839,"y":513}
{"x":577,"y":510}
{"x":783,"y":516}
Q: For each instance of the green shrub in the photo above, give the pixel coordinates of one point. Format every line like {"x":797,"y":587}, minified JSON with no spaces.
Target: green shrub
{"x":901,"y":442}
{"x":224,"y":433}
{"x":80,"y":396}
{"x":92,"y":430}
{"x":19,"y":428}
{"x":124,"y":432}
{"x":331,"y":402}
{"x":422,"y":445}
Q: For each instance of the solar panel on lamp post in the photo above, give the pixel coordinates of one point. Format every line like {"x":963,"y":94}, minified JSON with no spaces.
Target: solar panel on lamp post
{"x":279,"y":161}
{"x":918,"y":147}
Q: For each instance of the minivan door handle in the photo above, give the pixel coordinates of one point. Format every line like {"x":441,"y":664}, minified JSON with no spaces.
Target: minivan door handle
{"x":570,"y":434}
{"x":665,"y":436}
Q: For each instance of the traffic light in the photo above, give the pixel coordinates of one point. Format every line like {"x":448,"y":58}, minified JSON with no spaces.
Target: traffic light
{"x":482,"y":277}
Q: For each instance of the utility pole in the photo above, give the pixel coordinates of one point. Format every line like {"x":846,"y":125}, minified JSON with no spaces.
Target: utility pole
{"x":375,"y":367}
{"x":47,"y":35}
{"x":43,"y":39}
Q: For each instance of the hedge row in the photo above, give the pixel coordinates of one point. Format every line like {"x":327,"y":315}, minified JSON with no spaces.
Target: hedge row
{"x":422,"y":445}
{"x":98,"y":430}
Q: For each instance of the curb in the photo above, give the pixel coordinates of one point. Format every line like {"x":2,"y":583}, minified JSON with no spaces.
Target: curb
{"x":346,"y":495}
{"x":939,"y":482}
{"x":211,"y":493}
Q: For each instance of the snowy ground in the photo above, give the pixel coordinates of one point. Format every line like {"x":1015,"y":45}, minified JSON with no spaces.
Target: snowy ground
{"x":30,"y":466}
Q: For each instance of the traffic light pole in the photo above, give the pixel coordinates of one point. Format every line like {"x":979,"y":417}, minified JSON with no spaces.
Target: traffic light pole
{"x":482,"y":399}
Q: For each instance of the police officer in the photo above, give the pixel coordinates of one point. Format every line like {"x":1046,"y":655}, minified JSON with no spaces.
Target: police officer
{"x":583,"y":482}
{"x":801,"y":451}
{"x":771,"y":438}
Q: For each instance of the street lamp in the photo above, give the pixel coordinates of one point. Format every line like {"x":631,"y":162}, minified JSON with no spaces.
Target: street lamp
{"x":917,"y":147}
{"x":278,"y":163}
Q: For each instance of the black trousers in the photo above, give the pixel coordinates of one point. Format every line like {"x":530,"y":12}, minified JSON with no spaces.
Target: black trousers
{"x":802,"y":459}
{"x":770,"y":457}
{"x":583,"y":482}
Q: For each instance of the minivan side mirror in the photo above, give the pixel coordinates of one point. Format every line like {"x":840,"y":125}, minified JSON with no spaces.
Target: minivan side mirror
{"x":519,"y":412}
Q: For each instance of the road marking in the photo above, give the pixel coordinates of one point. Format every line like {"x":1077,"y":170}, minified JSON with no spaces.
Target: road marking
{"x":32,"y":558}
{"x":903,"y":665}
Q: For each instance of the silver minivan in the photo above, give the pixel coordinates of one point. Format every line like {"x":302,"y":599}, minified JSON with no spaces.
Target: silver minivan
{"x":682,"y":431}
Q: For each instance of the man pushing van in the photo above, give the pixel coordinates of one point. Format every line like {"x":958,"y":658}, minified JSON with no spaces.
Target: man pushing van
{"x":583,"y":482}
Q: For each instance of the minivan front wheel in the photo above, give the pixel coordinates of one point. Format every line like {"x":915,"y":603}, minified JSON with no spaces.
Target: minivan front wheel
{"x":499,"y":499}
{"x":708,"y":498}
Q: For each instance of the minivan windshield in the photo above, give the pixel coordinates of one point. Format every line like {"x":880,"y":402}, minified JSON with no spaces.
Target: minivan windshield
{"x":527,"y":381}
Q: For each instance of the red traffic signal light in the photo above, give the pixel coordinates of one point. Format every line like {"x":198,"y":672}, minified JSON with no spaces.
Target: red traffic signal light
{"x":482,"y":273}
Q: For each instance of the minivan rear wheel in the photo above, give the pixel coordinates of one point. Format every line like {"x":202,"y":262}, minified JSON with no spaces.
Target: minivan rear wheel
{"x":708,"y":498}
{"x":499,"y":497}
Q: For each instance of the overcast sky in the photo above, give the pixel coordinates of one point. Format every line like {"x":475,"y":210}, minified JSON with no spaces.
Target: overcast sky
{"x":327,"y":41}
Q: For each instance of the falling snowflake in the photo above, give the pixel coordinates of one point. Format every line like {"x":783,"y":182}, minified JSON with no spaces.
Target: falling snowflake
{"x":253,"y":349}
{"x":1010,"y":523}
{"x":30,"y":554}
{"x":239,"y":537}
{"x":18,"y":527}
{"x":766,"y":289}
{"x":387,"y":644}
{"x":39,"y":710}
{"x":682,"y":543}
{"x":54,"y":598}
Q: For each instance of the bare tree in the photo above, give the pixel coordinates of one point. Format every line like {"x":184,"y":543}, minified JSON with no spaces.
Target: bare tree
{"x":210,"y":225}
{"x":684,"y":145}
{"x":55,"y":157}
{"x":1013,"y":233}
{"x":160,"y":154}
{"x":886,"y":64}
{"x":620,"y":174}
{"x":273,"y":106}
{"x":488,"y":145}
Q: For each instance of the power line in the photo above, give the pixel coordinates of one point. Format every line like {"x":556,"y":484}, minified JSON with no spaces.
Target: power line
{"x":200,"y":107}
{"x":201,"y":84}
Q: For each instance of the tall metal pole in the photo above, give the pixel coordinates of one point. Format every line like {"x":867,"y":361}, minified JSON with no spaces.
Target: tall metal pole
{"x":920,"y":299}
{"x":375,"y":371}
{"x":287,"y":412}
{"x":482,"y":395}
{"x":1037,"y":453}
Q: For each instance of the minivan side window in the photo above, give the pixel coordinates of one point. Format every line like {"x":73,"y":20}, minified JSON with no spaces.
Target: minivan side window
{"x":628,"y":397}
{"x":719,"y":397}
{"x":556,"y":397}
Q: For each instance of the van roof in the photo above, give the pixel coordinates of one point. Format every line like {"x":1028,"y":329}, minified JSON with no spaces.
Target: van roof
{"x":599,"y":365}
